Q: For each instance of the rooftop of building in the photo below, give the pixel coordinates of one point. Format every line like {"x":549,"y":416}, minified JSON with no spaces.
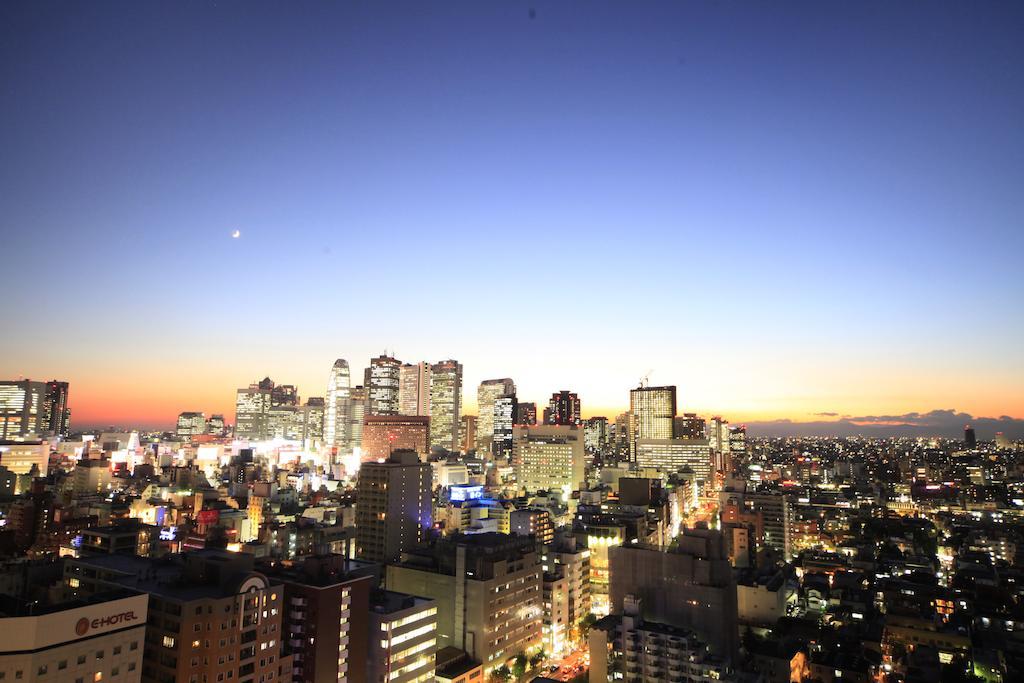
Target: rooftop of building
{"x":319,"y":571}
{"x":11,"y":606}
{"x":453,"y":662}
{"x":196,"y":575}
{"x":391,"y":602}
{"x":481,"y":549}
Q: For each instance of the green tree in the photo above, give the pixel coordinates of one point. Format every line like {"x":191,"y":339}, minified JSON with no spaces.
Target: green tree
{"x":519,"y":666}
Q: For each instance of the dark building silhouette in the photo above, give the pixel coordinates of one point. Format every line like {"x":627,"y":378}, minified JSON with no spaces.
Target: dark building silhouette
{"x":563,"y":409}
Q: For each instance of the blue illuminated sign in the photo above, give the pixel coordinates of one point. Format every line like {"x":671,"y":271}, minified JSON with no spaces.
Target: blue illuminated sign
{"x":466,"y":492}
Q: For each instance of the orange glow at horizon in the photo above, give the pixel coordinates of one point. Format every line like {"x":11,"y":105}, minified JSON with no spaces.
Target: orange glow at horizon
{"x":100,"y":403}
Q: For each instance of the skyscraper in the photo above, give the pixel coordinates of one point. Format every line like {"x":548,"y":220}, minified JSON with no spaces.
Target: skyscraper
{"x":526,"y":414}
{"x":190,"y":424}
{"x":488,"y":391}
{"x":563,"y":409}
{"x":338,"y":408}
{"x":596,"y":434}
{"x":970,"y":440}
{"x":414,"y":389}
{"x":382,"y":381}
{"x":215,"y":425}
{"x":283,"y":394}
{"x":718,"y":434}
{"x":652,"y":413}
{"x":312,"y":420}
{"x":393,"y":506}
{"x":690,"y":426}
{"x":22,"y":408}
{"x":252,"y":408}
{"x":357,"y":415}
{"x":56,"y":414}
{"x":445,"y":404}
{"x":467,"y":433}
{"x":504,"y":418}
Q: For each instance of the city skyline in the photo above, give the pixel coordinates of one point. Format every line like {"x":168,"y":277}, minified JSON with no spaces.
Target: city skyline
{"x":948,"y":423}
{"x":785,"y":212}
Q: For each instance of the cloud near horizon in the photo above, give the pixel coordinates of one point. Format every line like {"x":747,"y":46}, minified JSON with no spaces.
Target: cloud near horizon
{"x":946,"y":423}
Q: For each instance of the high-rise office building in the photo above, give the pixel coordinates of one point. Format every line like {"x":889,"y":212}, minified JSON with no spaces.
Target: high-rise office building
{"x":393,"y":506}
{"x":56,"y":414}
{"x":718,"y":435}
{"x":383,"y":434}
{"x":970,"y":439}
{"x":358,"y":410}
{"x":620,"y":433}
{"x":489,"y":391}
{"x":503,"y":420}
{"x":563,"y":409}
{"x":312,"y":420}
{"x":690,"y":426}
{"x":548,"y":457}
{"x":382,"y":380}
{"x":283,"y":394}
{"x":190,"y":424}
{"x":467,"y":433}
{"x":652,"y":411}
{"x":215,"y":425}
{"x":445,"y":404}
{"x":252,"y":409}
{"x":672,"y":455}
{"x":595,"y":434}
{"x":414,"y":389}
{"x":22,"y":409}
{"x":526,"y":414}
{"x":338,"y":408}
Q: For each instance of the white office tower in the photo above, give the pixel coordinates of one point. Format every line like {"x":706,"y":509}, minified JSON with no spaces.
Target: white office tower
{"x":487,"y":393}
{"x":414,"y":389}
{"x":381,"y":379}
{"x":445,"y":404}
{"x":338,"y":409}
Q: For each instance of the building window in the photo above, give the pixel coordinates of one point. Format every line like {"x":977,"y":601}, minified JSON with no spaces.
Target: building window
{"x":168,"y":641}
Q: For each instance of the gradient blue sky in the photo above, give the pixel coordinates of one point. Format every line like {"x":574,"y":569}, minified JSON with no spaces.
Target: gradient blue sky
{"x":782,"y":208}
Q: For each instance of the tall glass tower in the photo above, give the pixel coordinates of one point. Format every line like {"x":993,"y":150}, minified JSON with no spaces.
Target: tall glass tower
{"x":337,"y":411}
